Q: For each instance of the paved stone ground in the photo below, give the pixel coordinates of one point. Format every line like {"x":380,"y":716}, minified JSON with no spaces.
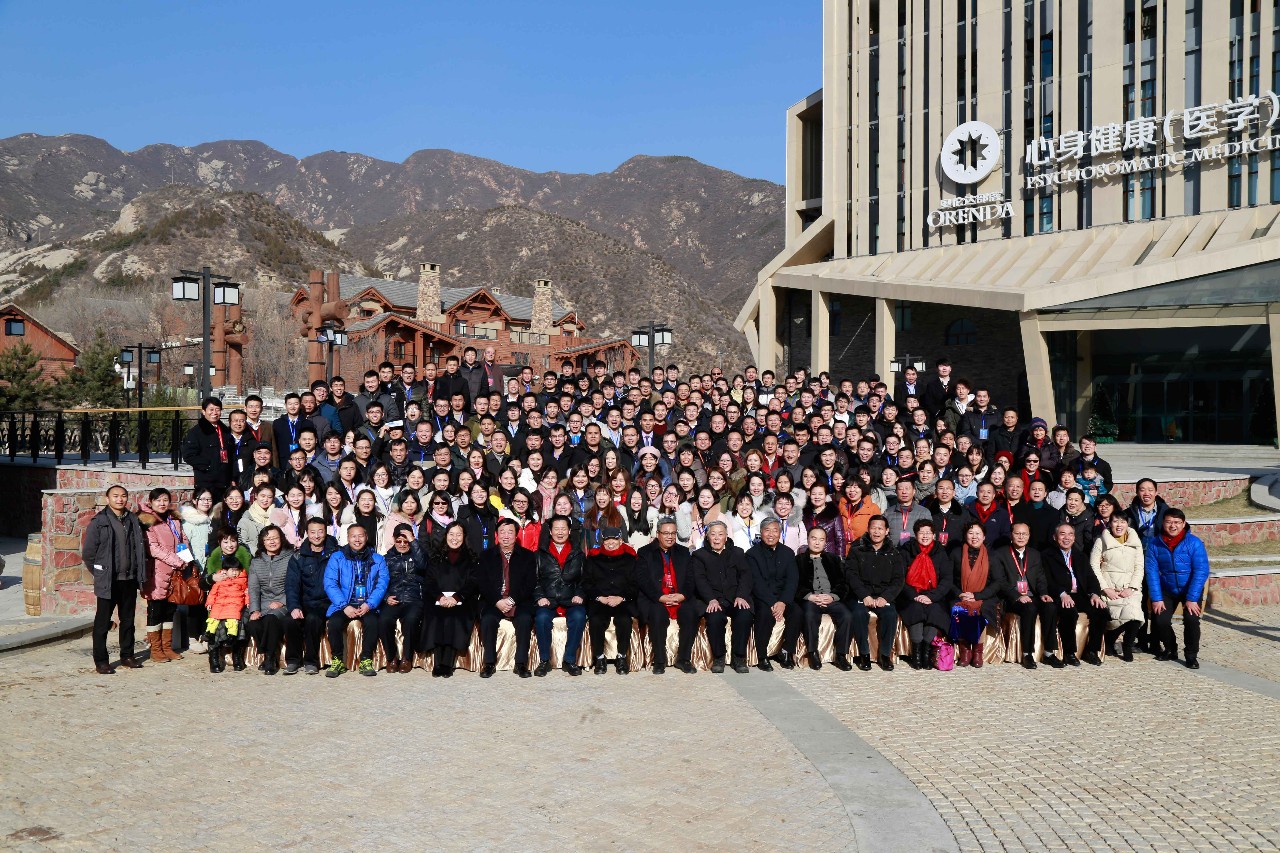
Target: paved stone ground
{"x":406,"y":762}
{"x":1143,"y":756}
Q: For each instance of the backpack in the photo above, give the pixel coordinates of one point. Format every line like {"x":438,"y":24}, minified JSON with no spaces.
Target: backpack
{"x":944,"y":654}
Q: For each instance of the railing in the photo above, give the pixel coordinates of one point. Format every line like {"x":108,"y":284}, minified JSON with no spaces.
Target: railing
{"x":88,"y":435}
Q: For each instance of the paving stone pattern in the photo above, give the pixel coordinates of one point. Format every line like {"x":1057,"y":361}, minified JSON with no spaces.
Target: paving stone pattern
{"x":170,"y":757}
{"x":1145,"y":756}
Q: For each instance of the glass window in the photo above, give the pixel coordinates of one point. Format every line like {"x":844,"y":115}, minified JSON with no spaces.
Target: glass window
{"x":961,"y":332}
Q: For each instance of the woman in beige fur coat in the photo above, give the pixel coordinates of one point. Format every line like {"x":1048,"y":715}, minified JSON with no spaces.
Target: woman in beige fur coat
{"x":1117,"y":560}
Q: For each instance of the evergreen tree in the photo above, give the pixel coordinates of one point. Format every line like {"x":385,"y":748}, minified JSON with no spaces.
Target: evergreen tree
{"x":93,"y":382}
{"x":1102,"y":422}
{"x":21,"y":383}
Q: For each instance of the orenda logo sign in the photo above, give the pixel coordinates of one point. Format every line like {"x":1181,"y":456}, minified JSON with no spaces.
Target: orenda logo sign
{"x":969,"y":154}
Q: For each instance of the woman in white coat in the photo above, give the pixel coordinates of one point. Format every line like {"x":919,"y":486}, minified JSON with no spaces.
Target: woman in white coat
{"x":1117,"y":560}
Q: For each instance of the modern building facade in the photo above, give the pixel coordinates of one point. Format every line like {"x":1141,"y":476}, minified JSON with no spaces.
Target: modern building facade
{"x":1070,"y":199}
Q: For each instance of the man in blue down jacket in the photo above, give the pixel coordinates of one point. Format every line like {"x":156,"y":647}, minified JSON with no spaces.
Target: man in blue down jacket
{"x":304,"y":593}
{"x":356,"y":582}
{"x":1177,"y":569}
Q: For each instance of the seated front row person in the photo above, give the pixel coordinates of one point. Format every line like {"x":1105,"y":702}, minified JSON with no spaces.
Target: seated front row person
{"x":356,"y":582}
{"x":1025,"y":589}
{"x":507,"y":576}
{"x":821,"y":588}
{"x":926,"y":594}
{"x":559,"y":588}
{"x":876,"y":572}
{"x":666,"y":592}
{"x":1074,"y":587}
{"x":773,"y":588}
{"x":609,"y":586}
{"x":722,"y":581}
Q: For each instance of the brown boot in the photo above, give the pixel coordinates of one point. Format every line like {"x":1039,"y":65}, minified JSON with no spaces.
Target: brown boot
{"x":166,"y":644}
{"x":964,"y":656}
{"x":157,"y":651}
{"x":977,"y":659}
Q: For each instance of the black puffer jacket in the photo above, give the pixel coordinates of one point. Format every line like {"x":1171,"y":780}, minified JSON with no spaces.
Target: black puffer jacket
{"x":721,"y":577}
{"x":560,"y":585}
{"x":610,"y":573}
{"x":875,"y":574}
{"x":405,"y":574}
{"x":304,"y":582}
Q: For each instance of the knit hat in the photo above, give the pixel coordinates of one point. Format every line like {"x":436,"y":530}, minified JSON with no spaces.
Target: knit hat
{"x":1006,"y":456}
{"x":1039,"y":422}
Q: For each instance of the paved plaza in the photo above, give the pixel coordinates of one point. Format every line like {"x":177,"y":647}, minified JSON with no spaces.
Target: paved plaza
{"x":1145,"y":756}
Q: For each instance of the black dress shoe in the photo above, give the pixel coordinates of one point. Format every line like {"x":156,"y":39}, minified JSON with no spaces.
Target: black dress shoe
{"x":1164,"y":654}
{"x":815,"y":660}
{"x":886,"y":663}
{"x":543,"y":668}
{"x":130,"y":663}
{"x":740,"y":665}
{"x":601,"y":667}
{"x":1054,"y":661}
{"x":863,"y":662}
{"x":717,"y":665}
{"x":522,"y":670}
{"x":687,"y":667}
{"x":841,"y":663}
{"x":572,"y":669}
{"x":1127,"y":655}
{"x":785,"y":660}
{"x":488,"y":670}
{"x":621,"y":666}
{"x":764,"y":665}
{"x":437,"y":670}
{"x":1192,"y":663}
{"x":1028,"y":662}
{"x":659,"y":668}
{"x":1072,"y":660}
{"x":105,"y":669}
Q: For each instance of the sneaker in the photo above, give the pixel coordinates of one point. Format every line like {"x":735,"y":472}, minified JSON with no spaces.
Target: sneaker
{"x":198,"y":647}
{"x":366,"y":667}
{"x":310,"y":668}
{"x":336,"y":668}
{"x":292,"y":668}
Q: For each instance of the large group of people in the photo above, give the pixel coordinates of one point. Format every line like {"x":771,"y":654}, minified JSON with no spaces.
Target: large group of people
{"x":435,"y":502}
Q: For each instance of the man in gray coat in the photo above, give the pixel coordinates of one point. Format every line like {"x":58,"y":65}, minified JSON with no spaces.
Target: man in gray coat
{"x":115,"y":551}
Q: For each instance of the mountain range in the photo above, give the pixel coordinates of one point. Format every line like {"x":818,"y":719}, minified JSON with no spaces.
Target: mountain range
{"x":689,"y":234}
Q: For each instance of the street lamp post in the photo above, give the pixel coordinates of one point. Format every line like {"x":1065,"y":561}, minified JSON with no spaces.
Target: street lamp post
{"x":334,"y":337}
{"x":900,"y":363}
{"x":652,"y":336}
{"x":127,"y":358}
{"x":209,"y":288}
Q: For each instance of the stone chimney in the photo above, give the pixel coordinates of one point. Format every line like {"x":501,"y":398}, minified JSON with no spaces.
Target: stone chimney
{"x":541,"y":320}
{"x":429,"y":294}
{"x":388,"y":276}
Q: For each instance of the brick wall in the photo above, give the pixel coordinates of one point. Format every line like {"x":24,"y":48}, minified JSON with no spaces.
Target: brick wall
{"x":67,"y":586}
{"x":1184,"y":494}
{"x":1245,"y":589}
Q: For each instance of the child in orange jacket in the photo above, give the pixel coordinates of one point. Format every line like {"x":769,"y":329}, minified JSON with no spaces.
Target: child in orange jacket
{"x":226,"y":604}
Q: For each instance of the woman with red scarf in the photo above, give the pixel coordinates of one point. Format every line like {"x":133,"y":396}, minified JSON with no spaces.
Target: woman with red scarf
{"x":922,"y":605}
{"x":978,"y":596}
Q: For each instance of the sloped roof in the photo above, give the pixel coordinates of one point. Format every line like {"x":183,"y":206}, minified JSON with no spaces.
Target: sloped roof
{"x":593,"y":345}
{"x":368,"y":323}
{"x":405,"y":294}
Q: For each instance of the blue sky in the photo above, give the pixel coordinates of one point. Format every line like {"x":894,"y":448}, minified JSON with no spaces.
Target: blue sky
{"x":569,"y":86}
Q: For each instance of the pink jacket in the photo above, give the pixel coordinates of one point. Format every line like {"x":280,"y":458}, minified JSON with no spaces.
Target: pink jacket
{"x":162,"y":544}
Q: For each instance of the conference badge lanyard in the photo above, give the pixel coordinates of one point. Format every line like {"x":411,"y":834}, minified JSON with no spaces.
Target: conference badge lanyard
{"x":1023,"y":586}
{"x":293,"y":436}
{"x":982,"y":431}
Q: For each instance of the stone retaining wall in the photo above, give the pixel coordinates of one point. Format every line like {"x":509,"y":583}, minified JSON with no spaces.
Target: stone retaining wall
{"x":67,"y":586}
{"x":1187,"y":493}
{"x":1245,"y":589}
{"x":1238,"y":531}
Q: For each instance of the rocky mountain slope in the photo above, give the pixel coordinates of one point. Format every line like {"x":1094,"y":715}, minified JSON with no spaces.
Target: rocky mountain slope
{"x":613,"y":287}
{"x":714,"y":227}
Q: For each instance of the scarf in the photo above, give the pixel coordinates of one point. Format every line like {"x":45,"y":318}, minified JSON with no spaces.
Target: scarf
{"x":984,"y":514}
{"x":1172,"y":542}
{"x":973,"y":576}
{"x":922,"y":576}
{"x":669,"y":583}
